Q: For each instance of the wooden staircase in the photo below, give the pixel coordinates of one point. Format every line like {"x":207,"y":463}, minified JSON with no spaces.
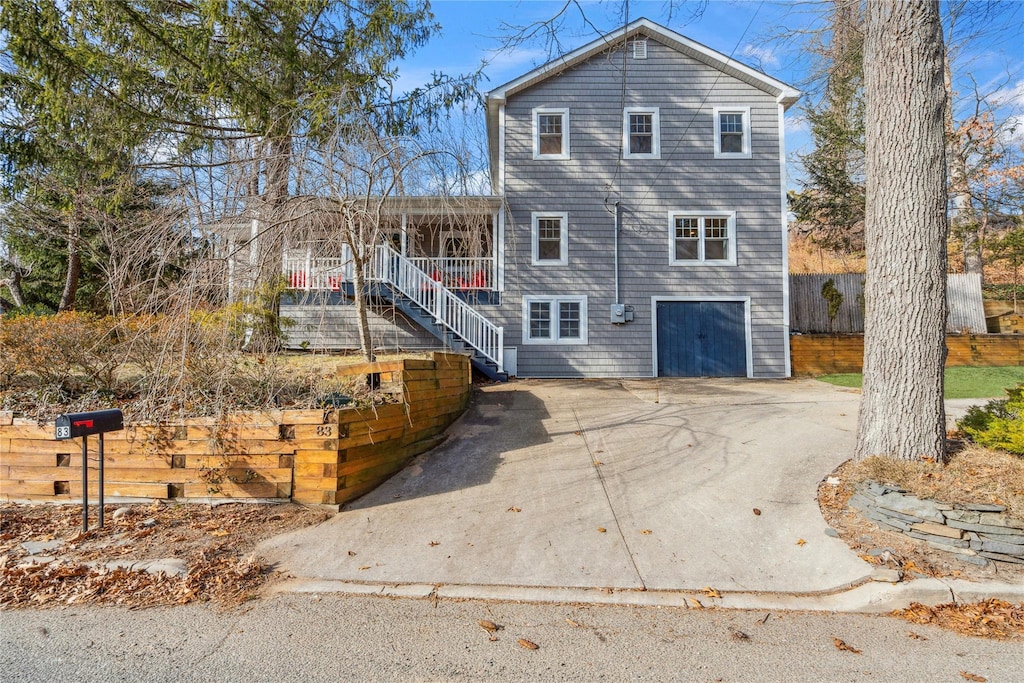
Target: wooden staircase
{"x":439,"y":310}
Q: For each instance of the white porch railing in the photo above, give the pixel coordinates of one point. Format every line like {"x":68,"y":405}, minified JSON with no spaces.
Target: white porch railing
{"x":440,"y":302}
{"x":459,"y":273}
{"x":463,"y":274}
{"x":313,"y":274}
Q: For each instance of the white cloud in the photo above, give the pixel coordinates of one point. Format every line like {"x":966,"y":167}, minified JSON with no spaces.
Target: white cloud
{"x":1010,"y":96}
{"x":1012,"y":131}
{"x":797,"y":124}
{"x":763,"y":56}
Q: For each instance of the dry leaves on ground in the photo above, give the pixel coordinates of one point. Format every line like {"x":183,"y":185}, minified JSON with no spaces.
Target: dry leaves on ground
{"x":987,"y":619}
{"x":215,"y":544}
{"x":843,"y":646}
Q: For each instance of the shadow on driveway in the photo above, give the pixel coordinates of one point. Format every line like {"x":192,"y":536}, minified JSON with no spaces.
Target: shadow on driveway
{"x":643,"y":484}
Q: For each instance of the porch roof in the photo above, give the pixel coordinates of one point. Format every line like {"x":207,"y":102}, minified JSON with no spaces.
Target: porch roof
{"x":297,"y":210}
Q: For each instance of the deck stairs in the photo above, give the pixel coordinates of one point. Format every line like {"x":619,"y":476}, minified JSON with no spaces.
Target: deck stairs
{"x":439,"y":310}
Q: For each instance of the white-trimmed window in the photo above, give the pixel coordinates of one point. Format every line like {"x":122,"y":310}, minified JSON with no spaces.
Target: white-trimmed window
{"x":550,"y":239}
{"x":555,"y":320}
{"x":550,"y":133}
{"x":641,"y":133}
{"x":704,"y":237}
{"x":732,"y":132}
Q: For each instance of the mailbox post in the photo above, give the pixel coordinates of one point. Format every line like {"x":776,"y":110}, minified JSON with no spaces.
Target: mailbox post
{"x":74,"y":425}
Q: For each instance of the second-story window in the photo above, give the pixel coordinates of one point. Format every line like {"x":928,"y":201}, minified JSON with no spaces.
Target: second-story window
{"x":641,"y":129}
{"x":550,"y":133}
{"x":550,"y":239}
{"x":732,"y":133}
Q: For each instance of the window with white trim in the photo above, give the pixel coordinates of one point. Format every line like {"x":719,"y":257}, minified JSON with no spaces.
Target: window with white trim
{"x":641,"y":133}
{"x":550,"y":133}
{"x":732,"y":133}
{"x":702,"y":238}
{"x":550,"y":239}
{"x":555,"y":320}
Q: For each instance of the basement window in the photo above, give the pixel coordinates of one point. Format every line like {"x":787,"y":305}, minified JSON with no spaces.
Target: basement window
{"x":555,"y":320}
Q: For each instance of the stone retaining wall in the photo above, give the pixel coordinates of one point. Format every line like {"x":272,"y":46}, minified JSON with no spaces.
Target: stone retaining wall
{"x":977,"y":533}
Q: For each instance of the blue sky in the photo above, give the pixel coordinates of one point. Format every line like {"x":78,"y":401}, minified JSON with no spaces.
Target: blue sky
{"x":472,"y":30}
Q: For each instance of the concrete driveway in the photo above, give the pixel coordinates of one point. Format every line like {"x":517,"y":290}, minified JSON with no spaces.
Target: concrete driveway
{"x":644,"y":485}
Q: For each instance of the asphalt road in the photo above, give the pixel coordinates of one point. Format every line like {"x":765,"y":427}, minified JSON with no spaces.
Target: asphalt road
{"x":329,"y":637}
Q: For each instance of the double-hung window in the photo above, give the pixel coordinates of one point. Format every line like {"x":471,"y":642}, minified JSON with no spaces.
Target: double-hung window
{"x":641,"y":133}
{"x":550,"y":133}
{"x":732,"y":132}
{"x":550,"y":239}
{"x":702,"y":238}
{"x":555,"y":320}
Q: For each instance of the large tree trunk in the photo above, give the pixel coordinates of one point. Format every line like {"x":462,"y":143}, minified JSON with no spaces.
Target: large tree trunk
{"x":12,"y":282}
{"x":74,"y":269}
{"x":901,"y":411}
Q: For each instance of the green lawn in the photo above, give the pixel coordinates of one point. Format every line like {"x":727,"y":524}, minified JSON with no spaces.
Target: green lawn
{"x":960,"y":382}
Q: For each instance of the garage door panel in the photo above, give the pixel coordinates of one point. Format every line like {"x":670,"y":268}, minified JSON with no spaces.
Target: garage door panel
{"x":678,"y":339}
{"x":701,"y":339}
{"x":723,"y":330}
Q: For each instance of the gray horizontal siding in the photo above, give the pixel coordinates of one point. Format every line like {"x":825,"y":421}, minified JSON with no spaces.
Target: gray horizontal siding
{"x":324,"y":323}
{"x":686,"y":178}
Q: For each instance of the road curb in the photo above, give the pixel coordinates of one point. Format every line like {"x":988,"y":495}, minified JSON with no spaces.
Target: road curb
{"x":868,"y":597}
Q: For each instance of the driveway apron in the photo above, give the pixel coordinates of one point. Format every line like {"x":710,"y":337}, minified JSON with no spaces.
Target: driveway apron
{"x":642,"y":484}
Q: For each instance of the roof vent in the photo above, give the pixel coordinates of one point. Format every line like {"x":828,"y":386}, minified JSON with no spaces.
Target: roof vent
{"x":640,"y":49}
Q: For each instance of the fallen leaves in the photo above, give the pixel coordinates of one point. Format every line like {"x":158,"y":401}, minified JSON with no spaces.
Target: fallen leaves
{"x":646,"y":532}
{"x":601,"y":530}
{"x":757,"y":512}
{"x":738,"y":634}
{"x":988,"y":619}
{"x":915,"y":636}
{"x":711,"y":592}
{"x":528,"y":644}
{"x":514,"y":509}
{"x":434,"y":544}
{"x":972,"y":677}
{"x":843,"y":646}
{"x":801,"y":542}
{"x":214,"y":542}
{"x":488,"y":626}
{"x":573,"y":623}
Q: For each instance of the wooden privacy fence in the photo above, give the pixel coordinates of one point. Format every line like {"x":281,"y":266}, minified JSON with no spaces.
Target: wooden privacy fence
{"x":808,"y":309}
{"x":825,"y":354}
{"x":310,"y":456}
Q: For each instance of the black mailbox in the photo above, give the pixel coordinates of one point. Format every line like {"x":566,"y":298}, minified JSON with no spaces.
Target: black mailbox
{"x":72,"y":425}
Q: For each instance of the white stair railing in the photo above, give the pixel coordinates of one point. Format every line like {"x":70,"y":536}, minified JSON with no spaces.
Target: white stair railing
{"x":440,"y":302}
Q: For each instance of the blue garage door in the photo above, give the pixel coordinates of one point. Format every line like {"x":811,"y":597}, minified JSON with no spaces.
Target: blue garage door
{"x":701,"y":339}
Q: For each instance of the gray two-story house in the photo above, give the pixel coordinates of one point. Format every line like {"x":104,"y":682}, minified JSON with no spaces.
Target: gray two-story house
{"x":637,"y":225}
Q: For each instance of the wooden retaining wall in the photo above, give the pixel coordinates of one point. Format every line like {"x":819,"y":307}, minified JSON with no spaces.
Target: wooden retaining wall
{"x":310,"y":456}
{"x":822,"y":354}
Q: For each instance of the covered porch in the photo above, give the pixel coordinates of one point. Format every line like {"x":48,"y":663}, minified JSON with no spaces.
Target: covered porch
{"x":452,"y":239}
